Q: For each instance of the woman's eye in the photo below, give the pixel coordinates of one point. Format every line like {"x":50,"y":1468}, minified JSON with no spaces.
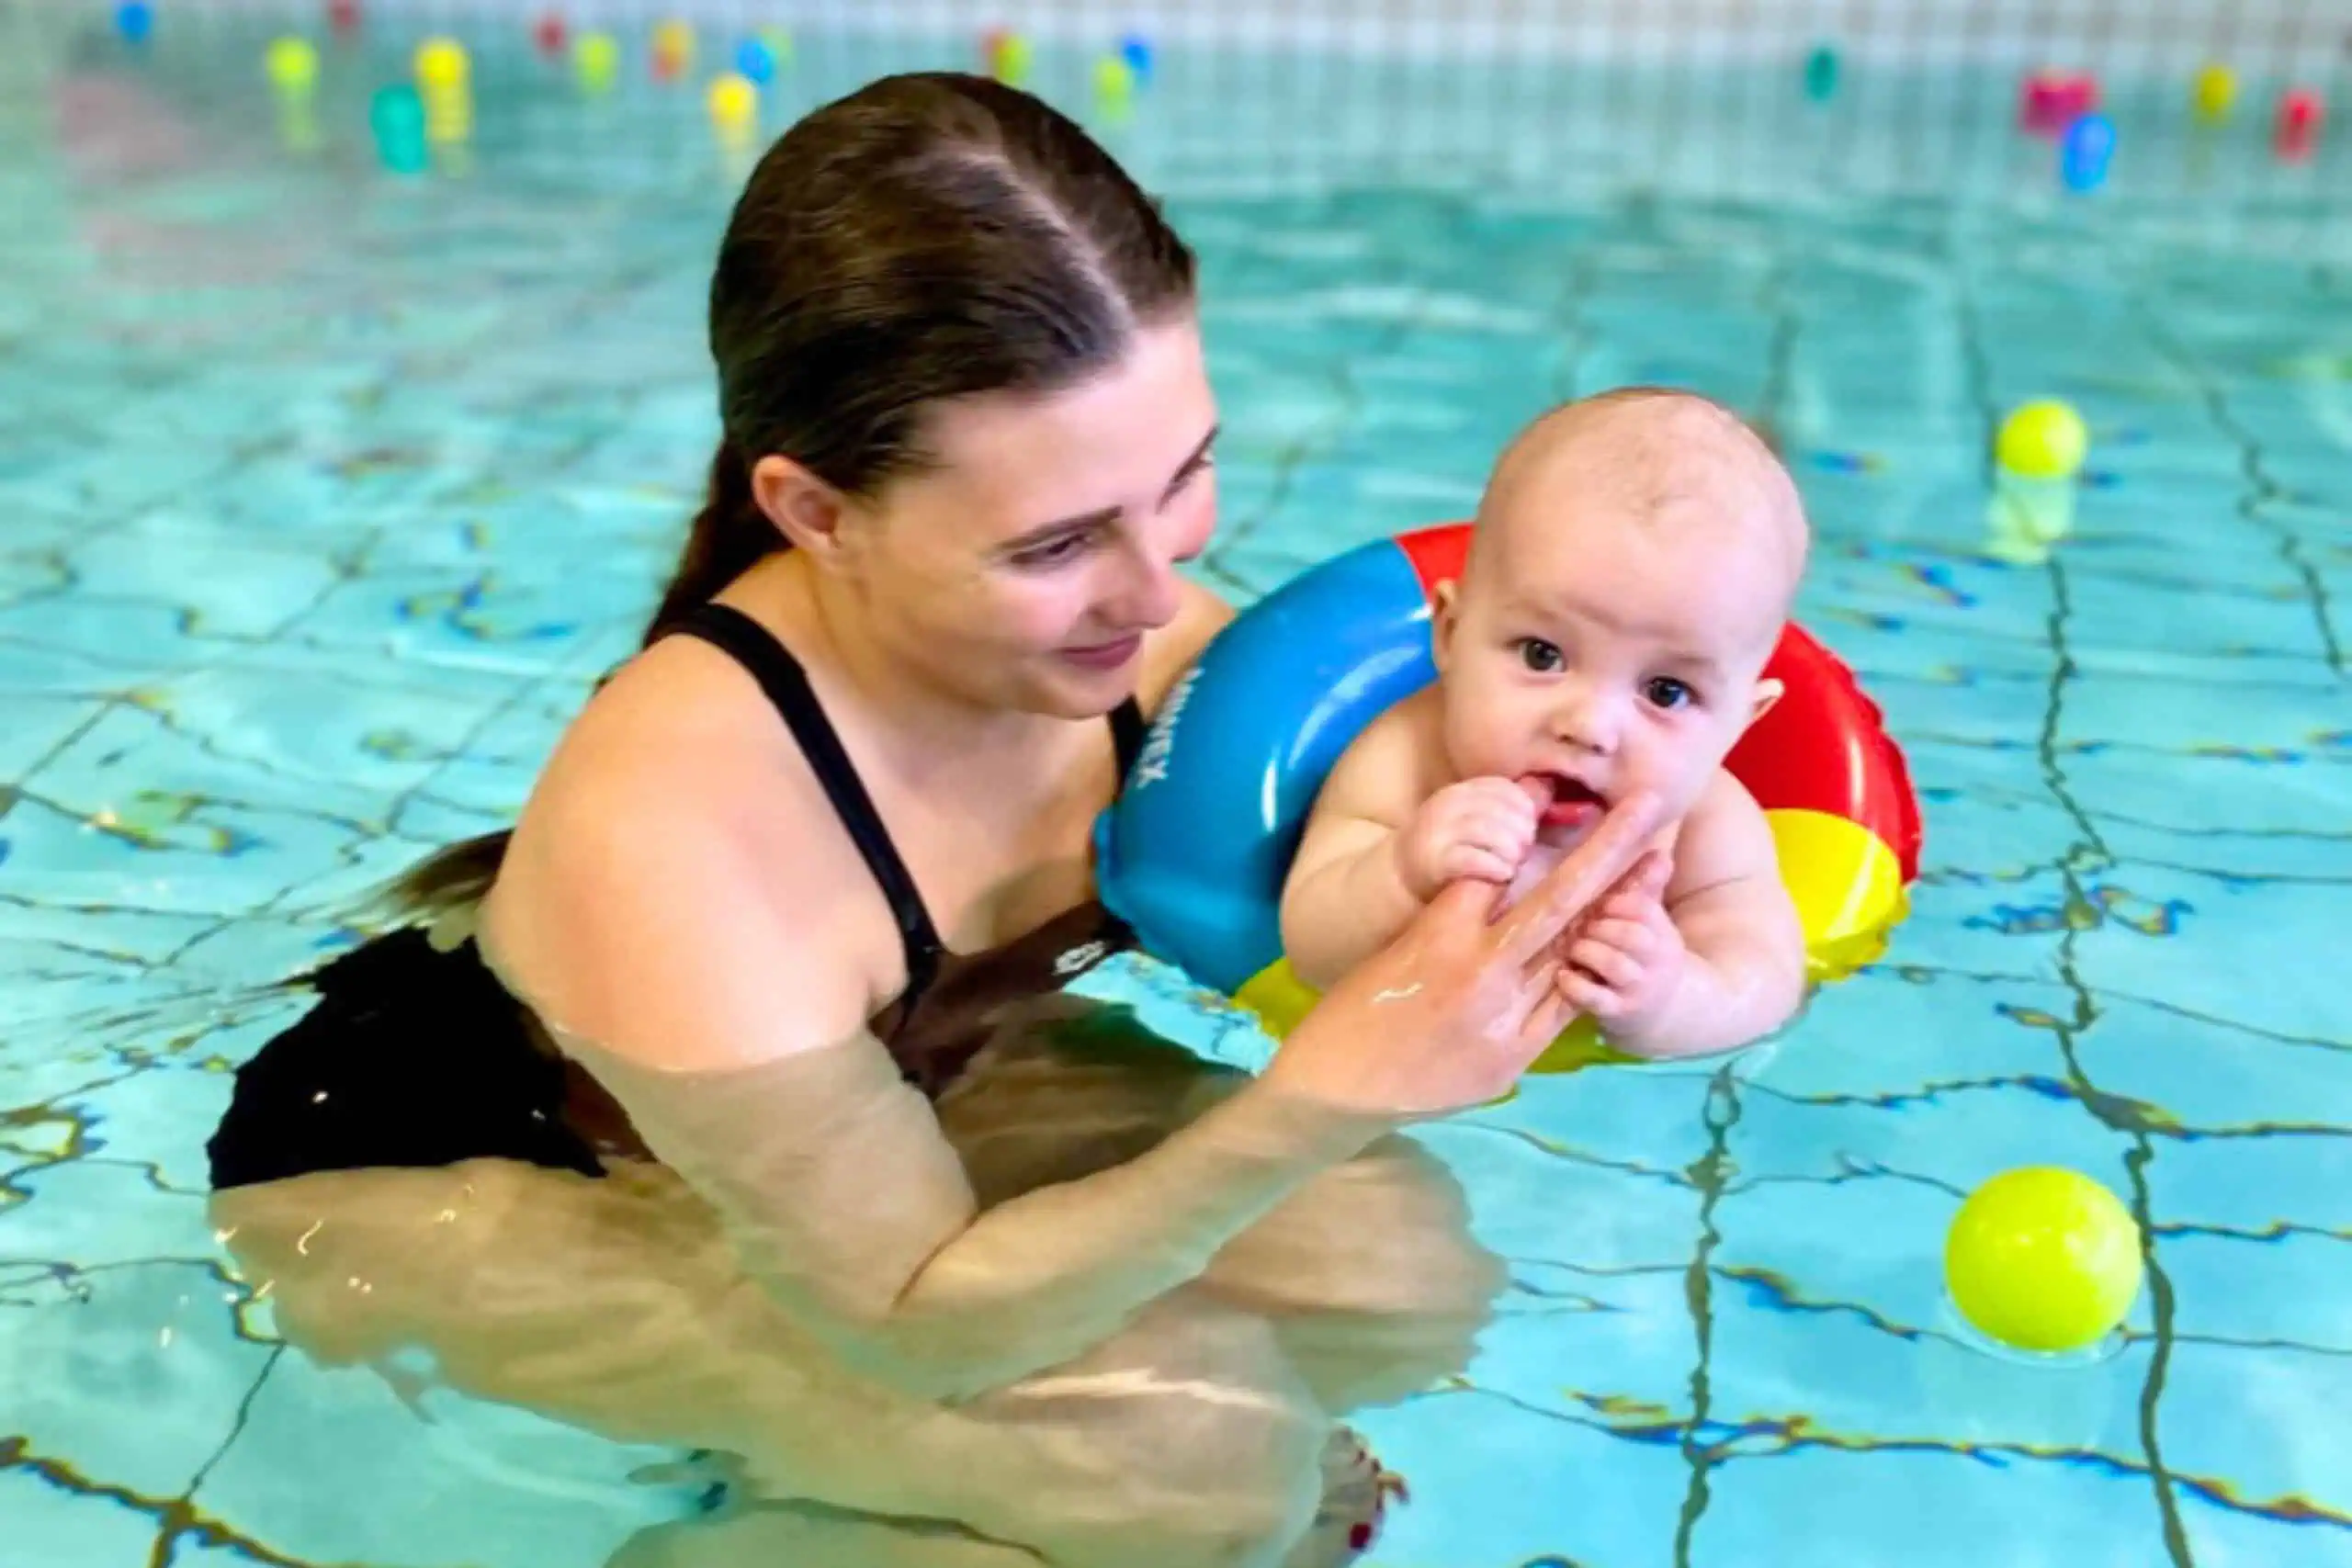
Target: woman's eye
{"x":1542,"y":657}
{"x":1053,"y":552}
{"x":1667,"y":693}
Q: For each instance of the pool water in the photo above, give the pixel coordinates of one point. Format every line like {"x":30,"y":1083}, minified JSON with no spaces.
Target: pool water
{"x":325,"y":497}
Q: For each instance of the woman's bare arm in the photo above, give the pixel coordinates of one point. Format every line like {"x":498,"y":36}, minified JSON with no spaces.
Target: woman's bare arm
{"x":726,"y":1011}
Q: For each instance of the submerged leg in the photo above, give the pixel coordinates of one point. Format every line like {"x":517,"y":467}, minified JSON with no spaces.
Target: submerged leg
{"x":1369,"y":1273}
{"x":1185,"y":1441}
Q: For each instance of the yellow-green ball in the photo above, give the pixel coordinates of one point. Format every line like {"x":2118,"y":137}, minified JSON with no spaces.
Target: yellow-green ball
{"x":2216,"y":90}
{"x":598,"y":59}
{"x":441,"y":63}
{"x":2045,"y":440}
{"x":292,"y":65}
{"x":1115,"y":79}
{"x":1013,"y":56}
{"x":2043,"y":1259}
{"x":732,"y":100}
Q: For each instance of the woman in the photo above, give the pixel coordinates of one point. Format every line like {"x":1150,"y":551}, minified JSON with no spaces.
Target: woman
{"x":717,"y":1106}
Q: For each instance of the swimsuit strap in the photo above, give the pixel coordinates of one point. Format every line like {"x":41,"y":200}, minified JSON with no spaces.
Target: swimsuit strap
{"x":1128,"y":731}
{"x":771,"y":663}
{"x":780,"y":675}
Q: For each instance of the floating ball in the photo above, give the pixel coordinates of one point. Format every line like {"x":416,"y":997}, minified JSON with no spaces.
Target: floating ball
{"x":1014,"y":55}
{"x":673,"y":49}
{"x":733,"y":102}
{"x":1136,"y":51}
{"x":2052,"y":100}
{"x":754,"y":61}
{"x":343,"y":15}
{"x":2213,"y":94}
{"x":1821,"y":75}
{"x":2043,"y":1259}
{"x":292,"y":66}
{"x":2042,"y":440}
{"x":2301,"y":110}
{"x":1115,"y":80}
{"x":135,"y":20}
{"x":2085,"y":152}
{"x":396,"y":115}
{"x":442,"y":64}
{"x":596,"y":60}
{"x":548,"y":33}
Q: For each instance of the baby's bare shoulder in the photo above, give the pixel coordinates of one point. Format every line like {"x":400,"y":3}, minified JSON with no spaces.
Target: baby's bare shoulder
{"x":1724,"y":838}
{"x":1395,"y":764}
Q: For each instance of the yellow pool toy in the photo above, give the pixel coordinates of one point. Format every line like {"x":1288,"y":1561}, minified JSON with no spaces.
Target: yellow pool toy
{"x":2043,"y":1259}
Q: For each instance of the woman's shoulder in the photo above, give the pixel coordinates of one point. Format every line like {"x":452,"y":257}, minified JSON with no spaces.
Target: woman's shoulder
{"x":676,"y":887}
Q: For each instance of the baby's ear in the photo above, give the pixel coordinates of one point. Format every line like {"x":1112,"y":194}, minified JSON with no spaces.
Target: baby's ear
{"x":1768,"y":693}
{"x":1442,"y":623}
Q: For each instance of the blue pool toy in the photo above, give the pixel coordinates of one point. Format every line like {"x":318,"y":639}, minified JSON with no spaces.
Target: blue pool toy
{"x":2087,"y":150}
{"x":1821,"y":75}
{"x":1135,"y":50}
{"x":755,"y":61}
{"x":135,"y":20}
{"x":397,"y":117}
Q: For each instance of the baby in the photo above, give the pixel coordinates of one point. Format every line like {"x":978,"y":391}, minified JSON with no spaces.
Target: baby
{"x":1634,"y":560}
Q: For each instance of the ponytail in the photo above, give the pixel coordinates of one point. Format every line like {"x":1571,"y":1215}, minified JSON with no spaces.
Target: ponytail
{"x":729,"y":536}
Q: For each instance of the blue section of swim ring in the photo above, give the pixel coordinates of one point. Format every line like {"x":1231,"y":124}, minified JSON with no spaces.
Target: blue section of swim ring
{"x":1194,"y":852}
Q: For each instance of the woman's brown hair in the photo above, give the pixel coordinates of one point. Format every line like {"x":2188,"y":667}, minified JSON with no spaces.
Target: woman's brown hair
{"x":931,"y":236}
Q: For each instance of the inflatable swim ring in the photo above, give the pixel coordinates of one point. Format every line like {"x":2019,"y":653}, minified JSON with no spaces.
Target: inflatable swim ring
{"x":1194,"y":854}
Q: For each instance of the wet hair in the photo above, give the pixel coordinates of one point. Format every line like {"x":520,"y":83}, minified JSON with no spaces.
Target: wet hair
{"x":931,"y":236}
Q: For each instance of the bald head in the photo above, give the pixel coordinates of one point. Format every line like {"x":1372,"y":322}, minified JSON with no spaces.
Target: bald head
{"x":1652,"y":458}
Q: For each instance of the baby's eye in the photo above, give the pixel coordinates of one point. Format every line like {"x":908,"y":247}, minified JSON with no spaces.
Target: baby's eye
{"x":1542,"y":657}
{"x":1667,"y":693}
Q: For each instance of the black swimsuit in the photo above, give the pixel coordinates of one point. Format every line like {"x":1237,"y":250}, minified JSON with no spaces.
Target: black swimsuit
{"x":417,"y":1056}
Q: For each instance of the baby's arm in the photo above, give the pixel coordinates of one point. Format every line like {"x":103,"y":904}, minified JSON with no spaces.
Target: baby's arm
{"x":1346,"y":895}
{"x":1718,"y":961}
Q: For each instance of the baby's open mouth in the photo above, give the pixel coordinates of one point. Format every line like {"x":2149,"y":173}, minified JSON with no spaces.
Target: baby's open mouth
{"x":1572,"y":804}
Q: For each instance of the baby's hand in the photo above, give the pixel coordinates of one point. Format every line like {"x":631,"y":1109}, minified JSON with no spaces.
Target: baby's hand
{"x":1479,"y":828}
{"x":1627,"y":963}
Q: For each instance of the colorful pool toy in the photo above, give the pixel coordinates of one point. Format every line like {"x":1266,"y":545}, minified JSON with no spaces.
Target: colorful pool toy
{"x":2043,"y":1260}
{"x":2213,"y":94}
{"x":292,"y":66}
{"x":2036,"y":460}
{"x":596,"y":60}
{"x":2301,"y":112}
{"x":2085,"y":152}
{"x":1194,"y":854}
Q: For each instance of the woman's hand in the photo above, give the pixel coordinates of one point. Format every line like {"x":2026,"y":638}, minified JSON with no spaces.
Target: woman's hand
{"x":1449,"y":1013}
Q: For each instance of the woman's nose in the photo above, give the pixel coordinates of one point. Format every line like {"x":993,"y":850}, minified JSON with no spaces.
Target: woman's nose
{"x":1152,"y":595}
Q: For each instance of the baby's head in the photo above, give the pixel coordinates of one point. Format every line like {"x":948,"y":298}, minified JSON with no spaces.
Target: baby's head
{"x":1634,"y":562}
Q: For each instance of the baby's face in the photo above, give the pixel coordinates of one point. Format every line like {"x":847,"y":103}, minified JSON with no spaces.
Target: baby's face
{"x":1606,"y":651}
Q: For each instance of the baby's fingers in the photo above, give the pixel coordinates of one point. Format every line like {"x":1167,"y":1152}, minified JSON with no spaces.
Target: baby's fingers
{"x":1478,"y":861}
{"x":1590,"y":996}
{"x":1611,"y":965}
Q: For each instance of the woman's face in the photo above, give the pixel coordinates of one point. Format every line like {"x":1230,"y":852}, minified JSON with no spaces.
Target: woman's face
{"x":1021,"y":570}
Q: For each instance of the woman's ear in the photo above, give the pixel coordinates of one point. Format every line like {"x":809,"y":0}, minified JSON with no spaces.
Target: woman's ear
{"x":806,"y":510}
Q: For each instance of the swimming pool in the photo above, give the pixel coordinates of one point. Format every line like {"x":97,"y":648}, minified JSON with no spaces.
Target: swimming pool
{"x":324,"y":498}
